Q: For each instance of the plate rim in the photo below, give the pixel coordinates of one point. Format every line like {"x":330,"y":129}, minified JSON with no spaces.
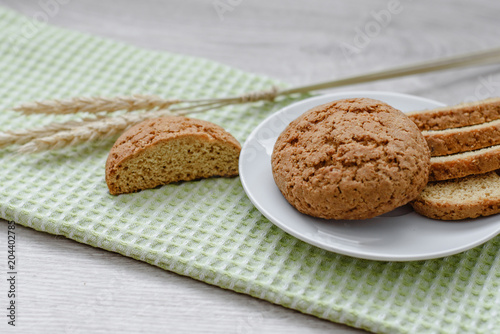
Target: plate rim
{"x":329,"y":247}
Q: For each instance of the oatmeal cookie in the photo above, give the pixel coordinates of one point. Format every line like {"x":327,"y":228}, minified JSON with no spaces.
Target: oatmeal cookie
{"x":170,"y":149}
{"x":350,"y":159}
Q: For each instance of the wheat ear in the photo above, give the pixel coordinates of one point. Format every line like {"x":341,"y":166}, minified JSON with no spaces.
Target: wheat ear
{"x":100,"y":126}
{"x":98,"y":104}
{"x":59,"y":135}
{"x":94,"y":105}
{"x":20,"y":137}
{"x":87,"y":130}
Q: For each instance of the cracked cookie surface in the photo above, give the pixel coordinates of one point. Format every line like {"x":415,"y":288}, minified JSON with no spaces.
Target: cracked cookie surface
{"x":350,"y":159}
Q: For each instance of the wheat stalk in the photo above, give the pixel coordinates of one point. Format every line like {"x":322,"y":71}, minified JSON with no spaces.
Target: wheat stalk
{"x":105,"y":124}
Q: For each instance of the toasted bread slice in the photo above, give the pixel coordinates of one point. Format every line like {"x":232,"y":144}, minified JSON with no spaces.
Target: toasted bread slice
{"x":170,"y":149}
{"x":469,"y":138}
{"x":464,"y":114}
{"x":469,"y":197}
{"x":462,"y":164}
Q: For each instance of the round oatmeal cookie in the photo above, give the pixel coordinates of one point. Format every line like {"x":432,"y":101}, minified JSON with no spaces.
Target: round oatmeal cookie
{"x":350,"y":159}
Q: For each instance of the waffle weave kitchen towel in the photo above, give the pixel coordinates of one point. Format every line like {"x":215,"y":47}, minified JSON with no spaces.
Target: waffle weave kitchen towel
{"x":208,"y":229}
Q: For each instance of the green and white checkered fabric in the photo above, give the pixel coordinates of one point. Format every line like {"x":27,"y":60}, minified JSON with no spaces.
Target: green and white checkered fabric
{"x":208,"y":229}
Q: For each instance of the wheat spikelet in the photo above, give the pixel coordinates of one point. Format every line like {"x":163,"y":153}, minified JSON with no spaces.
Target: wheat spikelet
{"x":96,"y":104}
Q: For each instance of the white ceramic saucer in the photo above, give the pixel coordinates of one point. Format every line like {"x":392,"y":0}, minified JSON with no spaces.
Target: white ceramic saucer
{"x":400,"y":235}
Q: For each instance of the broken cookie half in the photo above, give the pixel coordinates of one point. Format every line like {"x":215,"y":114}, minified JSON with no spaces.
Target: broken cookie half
{"x":170,"y":149}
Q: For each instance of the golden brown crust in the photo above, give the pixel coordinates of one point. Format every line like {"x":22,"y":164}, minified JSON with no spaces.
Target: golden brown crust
{"x":451,"y":141}
{"x":350,"y":159}
{"x":458,"y":212}
{"x":176,"y":144}
{"x":457,"y":116}
{"x":447,"y":205}
{"x":463,"y":164}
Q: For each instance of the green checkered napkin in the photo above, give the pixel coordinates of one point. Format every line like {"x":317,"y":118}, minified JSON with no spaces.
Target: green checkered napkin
{"x":208,"y":229}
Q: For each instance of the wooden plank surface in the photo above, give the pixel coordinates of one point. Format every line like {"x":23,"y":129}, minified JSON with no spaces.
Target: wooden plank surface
{"x":66,"y":287}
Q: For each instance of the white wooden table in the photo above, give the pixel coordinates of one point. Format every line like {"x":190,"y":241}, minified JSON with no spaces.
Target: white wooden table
{"x":66,"y":287}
